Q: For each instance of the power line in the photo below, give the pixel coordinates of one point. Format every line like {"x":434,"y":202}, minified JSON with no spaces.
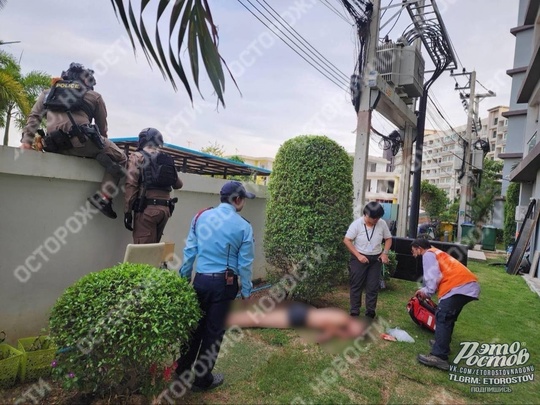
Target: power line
{"x":449,"y":151}
{"x":455,"y":52}
{"x":289,"y":28}
{"x":387,"y":7}
{"x":335,"y":11}
{"x":444,"y":118}
{"x":395,"y":22}
{"x":336,"y":80}
{"x":485,"y":88}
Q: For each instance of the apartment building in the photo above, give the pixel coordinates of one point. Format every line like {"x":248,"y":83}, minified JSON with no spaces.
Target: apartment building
{"x":497,"y":131}
{"x":381,"y":184}
{"x":524,"y":98}
{"x":522,"y":157}
{"x":262,"y":162}
{"x":442,"y":158}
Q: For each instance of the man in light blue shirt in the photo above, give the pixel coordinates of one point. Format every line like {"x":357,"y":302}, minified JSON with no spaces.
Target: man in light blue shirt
{"x":222,"y":242}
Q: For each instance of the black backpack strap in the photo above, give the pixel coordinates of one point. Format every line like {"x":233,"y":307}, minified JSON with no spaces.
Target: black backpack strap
{"x":87,"y":109}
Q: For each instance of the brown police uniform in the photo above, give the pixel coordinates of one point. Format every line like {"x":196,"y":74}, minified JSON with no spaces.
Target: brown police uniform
{"x":111,"y":157}
{"x":148,"y":226}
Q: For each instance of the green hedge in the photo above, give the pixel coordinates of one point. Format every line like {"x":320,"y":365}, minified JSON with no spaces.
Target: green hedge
{"x":308,"y":212}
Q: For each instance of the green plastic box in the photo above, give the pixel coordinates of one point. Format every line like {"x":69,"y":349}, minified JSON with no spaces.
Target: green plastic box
{"x":37,"y":356}
{"x":9,"y":366}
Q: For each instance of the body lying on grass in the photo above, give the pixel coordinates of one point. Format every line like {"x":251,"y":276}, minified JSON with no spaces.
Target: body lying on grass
{"x":327,"y":322}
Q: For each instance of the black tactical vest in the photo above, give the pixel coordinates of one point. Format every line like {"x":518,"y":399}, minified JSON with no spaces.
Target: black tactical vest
{"x":158,"y":171}
{"x":67,"y":95}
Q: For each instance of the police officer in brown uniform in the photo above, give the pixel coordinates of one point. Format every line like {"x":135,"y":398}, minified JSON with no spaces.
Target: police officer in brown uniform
{"x":70,"y":105}
{"x":150,"y":179}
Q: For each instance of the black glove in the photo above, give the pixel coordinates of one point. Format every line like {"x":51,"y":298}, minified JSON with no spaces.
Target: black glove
{"x":128,"y":221}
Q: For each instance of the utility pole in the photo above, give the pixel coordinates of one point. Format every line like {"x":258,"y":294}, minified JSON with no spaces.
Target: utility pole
{"x":404,"y":184}
{"x":363,"y":128}
{"x":466,"y":186}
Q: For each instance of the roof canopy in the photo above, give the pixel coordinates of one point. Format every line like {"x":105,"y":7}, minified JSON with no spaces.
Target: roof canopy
{"x":192,"y":161}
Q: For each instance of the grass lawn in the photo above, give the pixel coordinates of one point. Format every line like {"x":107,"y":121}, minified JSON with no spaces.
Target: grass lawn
{"x":276,"y":366}
{"x":282,"y":366}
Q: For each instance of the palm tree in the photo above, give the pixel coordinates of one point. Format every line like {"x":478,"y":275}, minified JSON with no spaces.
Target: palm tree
{"x":192,"y":22}
{"x":17,"y":92}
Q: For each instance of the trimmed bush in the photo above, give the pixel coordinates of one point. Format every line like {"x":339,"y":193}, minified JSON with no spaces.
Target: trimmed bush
{"x":121,"y":329}
{"x":308,"y":212}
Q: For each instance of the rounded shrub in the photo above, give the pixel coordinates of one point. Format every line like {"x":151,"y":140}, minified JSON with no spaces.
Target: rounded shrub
{"x":308,"y":212}
{"x":121,"y":329}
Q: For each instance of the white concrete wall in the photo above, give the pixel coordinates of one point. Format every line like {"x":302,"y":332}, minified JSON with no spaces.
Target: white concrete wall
{"x":49,"y":239}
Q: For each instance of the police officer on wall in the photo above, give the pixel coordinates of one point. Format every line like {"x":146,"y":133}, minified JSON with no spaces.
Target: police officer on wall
{"x":222,"y":242}
{"x":149,"y":182}
{"x":70,"y":106}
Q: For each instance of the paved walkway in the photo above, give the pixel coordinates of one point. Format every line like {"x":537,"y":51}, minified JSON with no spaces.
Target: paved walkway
{"x":533,"y":283}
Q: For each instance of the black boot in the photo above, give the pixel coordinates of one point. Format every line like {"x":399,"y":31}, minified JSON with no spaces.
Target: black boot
{"x":103,"y":204}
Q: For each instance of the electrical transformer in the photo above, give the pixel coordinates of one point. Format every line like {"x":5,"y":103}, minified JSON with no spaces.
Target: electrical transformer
{"x":403,"y":67}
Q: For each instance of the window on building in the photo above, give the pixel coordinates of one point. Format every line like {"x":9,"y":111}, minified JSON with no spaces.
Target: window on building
{"x":373,"y":167}
{"x":495,"y":120}
{"x":494,"y":134}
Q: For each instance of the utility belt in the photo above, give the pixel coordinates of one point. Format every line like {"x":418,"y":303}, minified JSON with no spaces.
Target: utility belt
{"x":59,"y":140}
{"x":228,"y":275}
{"x":141,"y":203}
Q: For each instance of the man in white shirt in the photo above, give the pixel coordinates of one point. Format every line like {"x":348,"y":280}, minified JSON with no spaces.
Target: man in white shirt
{"x":364,"y":239}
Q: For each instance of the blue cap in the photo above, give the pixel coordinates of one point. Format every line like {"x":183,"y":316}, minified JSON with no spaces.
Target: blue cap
{"x":235,"y":189}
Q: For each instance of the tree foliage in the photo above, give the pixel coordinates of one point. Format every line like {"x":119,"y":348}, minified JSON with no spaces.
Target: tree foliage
{"x":120,"y":327}
{"x":433,"y":199}
{"x":512,"y":201}
{"x":484,"y":193}
{"x":214,"y":149}
{"x":18,"y":92}
{"x":451,"y":212}
{"x":189,"y":24}
{"x":308,"y":212}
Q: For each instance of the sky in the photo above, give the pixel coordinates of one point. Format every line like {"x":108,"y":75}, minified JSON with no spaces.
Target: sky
{"x":280,"y":95}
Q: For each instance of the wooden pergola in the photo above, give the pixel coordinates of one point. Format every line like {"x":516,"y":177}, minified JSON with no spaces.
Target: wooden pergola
{"x":196,"y":162}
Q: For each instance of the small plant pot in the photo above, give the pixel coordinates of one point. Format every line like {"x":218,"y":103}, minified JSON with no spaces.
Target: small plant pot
{"x":37,"y":356}
{"x":9,"y":365}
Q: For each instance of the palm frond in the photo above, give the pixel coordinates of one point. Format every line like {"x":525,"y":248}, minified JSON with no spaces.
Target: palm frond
{"x":12,"y":91}
{"x":191,"y":17}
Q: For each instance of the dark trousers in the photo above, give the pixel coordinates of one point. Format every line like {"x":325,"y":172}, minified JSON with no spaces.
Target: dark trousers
{"x":364,"y":276}
{"x":215,"y":298}
{"x":446,"y":316}
{"x":149,"y":225}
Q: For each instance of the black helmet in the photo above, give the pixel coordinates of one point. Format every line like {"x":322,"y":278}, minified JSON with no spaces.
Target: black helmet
{"x":76,"y":71}
{"x":150,"y":136}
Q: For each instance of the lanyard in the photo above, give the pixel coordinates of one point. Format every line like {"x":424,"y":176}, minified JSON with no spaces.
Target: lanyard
{"x":367,"y":235}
